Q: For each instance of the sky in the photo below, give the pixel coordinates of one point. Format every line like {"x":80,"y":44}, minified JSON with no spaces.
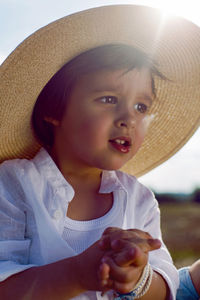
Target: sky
{"x":20,"y":18}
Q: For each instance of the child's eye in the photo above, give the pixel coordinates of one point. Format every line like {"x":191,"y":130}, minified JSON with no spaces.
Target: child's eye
{"x":141,"y":107}
{"x":109,"y":99}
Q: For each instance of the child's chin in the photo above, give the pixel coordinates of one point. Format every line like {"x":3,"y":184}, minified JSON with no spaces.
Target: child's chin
{"x":114,"y":167}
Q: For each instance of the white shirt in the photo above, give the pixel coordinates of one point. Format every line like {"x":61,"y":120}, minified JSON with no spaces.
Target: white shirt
{"x":34,"y":198}
{"x":80,"y":235}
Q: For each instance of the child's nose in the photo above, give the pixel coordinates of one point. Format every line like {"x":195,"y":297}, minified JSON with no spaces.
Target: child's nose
{"x":127,"y":121}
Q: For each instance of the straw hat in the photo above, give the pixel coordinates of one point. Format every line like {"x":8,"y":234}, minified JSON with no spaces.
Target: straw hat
{"x":174,"y":43}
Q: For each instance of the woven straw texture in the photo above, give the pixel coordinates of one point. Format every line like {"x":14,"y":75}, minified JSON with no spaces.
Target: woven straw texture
{"x":174,"y":43}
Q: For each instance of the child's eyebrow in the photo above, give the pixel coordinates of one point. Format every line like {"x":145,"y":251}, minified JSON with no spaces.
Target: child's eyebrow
{"x":104,"y":88}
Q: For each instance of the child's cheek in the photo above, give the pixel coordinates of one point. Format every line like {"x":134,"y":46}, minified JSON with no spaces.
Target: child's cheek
{"x":92,"y":128}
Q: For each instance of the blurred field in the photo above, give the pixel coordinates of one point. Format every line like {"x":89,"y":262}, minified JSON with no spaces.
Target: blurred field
{"x":180,"y":224}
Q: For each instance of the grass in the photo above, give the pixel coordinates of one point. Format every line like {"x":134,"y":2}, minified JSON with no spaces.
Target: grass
{"x":180,"y":223}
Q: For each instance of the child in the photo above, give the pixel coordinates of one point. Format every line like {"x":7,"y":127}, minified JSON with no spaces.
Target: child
{"x":189,"y":287}
{"x":91,"y":119}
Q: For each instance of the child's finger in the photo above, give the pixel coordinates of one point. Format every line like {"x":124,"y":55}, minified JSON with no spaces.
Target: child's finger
{"x":114,"y":238}
{"x":118,"y":273}
{"x":145,"y":244}
{"x":106,"y":239}
{"x":110,"y":230}
{"x":154,"y":243}
{"x":125,"y":258}
{"x":103,"y":272}
{"x":122,"y":288}
{"x":104,"y":243}
{"x":140,"y":257}
{"x":130,"y":256}
{"x":141,"y":233}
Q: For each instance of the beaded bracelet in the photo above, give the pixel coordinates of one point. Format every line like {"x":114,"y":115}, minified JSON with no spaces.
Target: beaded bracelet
{"x":140,"y":284}
{"x":147,"y":284}
{"x":141,"y":287}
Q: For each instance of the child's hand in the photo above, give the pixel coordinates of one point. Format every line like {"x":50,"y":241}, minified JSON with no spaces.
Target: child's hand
{"x":123,"y":264}
{"x":115,"y":238}
{"x":121,"y":271}
{"x":86,"y":265}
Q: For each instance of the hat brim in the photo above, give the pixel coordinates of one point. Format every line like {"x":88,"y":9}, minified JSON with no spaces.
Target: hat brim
{"x":173,"y":43}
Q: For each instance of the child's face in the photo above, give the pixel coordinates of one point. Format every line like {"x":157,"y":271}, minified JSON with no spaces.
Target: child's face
{"x":104,"y":123}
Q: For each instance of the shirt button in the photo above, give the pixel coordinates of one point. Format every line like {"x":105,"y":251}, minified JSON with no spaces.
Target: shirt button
{"x":57,"y":214}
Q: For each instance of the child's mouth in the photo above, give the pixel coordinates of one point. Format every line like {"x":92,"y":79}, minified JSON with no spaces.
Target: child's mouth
{"x":122,"y":144}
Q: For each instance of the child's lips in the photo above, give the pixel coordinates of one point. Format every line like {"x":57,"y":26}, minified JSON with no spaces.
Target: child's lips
{"x":122,"y":144}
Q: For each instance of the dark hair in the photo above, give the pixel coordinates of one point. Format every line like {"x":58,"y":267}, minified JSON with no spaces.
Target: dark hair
{"x":52,"y":100}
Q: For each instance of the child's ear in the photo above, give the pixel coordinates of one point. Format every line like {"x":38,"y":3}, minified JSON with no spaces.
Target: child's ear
{"x":52,"y":121}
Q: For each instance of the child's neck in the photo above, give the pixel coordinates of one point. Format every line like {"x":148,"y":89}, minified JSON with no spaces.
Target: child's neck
{"x":84,"y":181}
{"x":77,"y":174}
{"x":87,"y":203}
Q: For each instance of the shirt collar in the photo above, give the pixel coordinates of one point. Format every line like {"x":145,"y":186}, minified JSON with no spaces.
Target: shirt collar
{"x":47,"y":166}
{"x":110,"y":181}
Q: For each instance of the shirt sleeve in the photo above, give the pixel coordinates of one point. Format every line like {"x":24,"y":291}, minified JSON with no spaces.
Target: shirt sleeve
{"x":142,"y":212}
{"x":160,"y":259}
{"x":14,"y":246}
